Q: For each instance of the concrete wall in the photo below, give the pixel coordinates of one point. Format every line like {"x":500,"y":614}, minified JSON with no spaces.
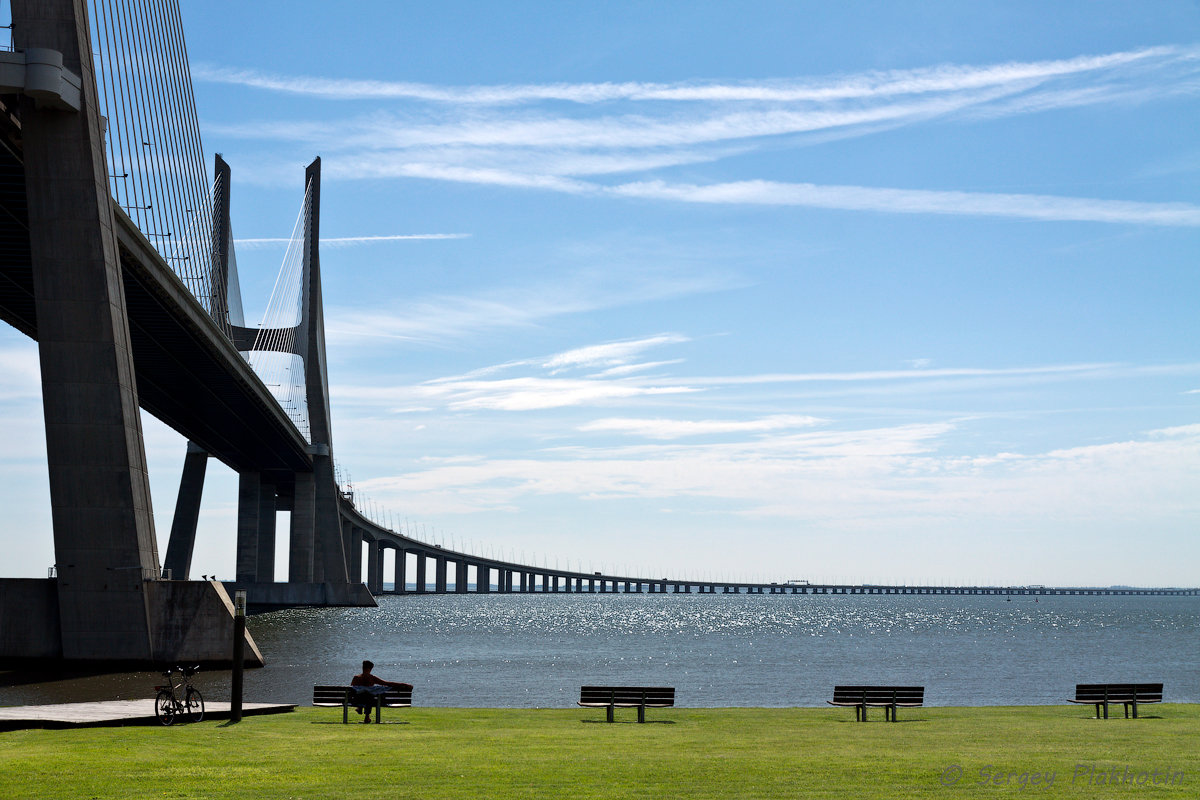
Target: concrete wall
{"x":29,"y":626}
{"x":287,"y":595}
{"x":192,"y":621}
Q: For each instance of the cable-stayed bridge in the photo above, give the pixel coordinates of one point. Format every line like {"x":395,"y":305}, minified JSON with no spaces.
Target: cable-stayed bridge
{"x":117,"y":257}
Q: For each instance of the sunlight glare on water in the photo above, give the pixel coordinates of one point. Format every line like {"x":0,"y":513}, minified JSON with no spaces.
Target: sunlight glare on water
{"x":536,"y":650}
{"x":717,"y":650}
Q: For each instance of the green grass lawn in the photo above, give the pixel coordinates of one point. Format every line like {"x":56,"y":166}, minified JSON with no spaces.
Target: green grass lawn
{"x":572,"y":753}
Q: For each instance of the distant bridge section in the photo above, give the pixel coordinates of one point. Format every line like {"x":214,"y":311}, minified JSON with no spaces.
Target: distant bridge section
{"x":424,"y":568}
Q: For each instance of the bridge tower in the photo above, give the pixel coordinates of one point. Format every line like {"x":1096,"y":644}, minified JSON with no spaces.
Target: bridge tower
{"x":317,"y":553}
{"x":108,"y":601}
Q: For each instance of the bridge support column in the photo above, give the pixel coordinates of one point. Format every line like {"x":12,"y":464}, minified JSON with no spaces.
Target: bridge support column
{"x":400,"y":581}
{"x":99,"y":487}
{"x":300,"y":548}
{"x":329,"y":556}
{"x":439,"y":575}
{"x":372,"y":562}
{"x":265,"y":570}
{"x":460,"y":576}
{"x":375,"y":566}
{"x":421,"y":586}
{"x":354,"y":545}
{"x":182,"y":543}
{"x":249,"y":486}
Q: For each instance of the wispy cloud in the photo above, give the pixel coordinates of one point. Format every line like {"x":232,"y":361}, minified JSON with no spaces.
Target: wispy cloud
{"x":609,"y":354}
{"x":680,"y":428}
{"x":918,"y":201}
{"x":349,"y":241}
{"x":555,"y":381}
{"x":443,"y":318}
{"x":919,"y":374}
{"x":840,"y":480}
{"x":570,"y":138}
{"x":942,"y":78}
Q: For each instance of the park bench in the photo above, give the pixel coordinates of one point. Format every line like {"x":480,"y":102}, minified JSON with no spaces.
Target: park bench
{"x":1131,"y":695}
{"x":639,"y":697}
{"x":344,"y":696}
{"x":888,"y":697}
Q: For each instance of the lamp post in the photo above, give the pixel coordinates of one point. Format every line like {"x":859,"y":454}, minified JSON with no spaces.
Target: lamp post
{"x":239,"y":653}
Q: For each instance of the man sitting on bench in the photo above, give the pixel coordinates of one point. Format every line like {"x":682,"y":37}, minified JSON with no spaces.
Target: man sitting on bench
{"x":364,"y":698}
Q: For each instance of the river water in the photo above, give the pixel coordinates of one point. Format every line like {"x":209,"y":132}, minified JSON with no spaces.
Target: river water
{"x":717,"y":650}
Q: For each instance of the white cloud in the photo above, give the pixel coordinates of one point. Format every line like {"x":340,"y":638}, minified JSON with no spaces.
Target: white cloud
{"x":1066,"y":370}
{"x":943,"y":78}
{"x":494,"y":388}
{"x":919,"y":201}
{"x":609,"y":354}
{"x":680,"y":428}
{"x":518,"y":137}
{"x":439,"y":318}
{"x":349,"y":241}
{"x":529,"y":394}
{"x":629,"y":369}
{"x":843,"y":479}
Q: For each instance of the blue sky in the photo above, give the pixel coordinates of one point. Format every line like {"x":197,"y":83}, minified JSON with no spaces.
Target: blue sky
{"x":751,"y":290}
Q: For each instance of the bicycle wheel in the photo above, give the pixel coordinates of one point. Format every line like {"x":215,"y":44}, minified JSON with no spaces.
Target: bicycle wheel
{"x":194,"y":705}
{"x":164,"y":707}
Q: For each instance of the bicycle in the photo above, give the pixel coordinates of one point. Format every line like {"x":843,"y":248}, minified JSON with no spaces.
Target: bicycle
{"x":168,"y":705}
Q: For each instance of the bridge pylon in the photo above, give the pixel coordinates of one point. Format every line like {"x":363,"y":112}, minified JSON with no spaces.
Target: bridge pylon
{"x":318,"y":559}
{"x":107,"y":601}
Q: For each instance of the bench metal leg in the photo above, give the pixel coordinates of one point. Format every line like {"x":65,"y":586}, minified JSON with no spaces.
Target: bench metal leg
{"x":641,"y":713}
{"x":610,"y":713}
{"x":345,"y":712}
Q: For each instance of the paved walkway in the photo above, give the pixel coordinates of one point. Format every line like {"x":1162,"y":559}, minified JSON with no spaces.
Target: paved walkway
{"x":113,"y":713}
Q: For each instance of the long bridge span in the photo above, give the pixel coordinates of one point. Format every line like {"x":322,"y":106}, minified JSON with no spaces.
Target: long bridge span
{"x":424,"y":568}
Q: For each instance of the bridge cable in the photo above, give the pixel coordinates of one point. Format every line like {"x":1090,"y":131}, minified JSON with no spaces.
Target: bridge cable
{"x":158,"y":171}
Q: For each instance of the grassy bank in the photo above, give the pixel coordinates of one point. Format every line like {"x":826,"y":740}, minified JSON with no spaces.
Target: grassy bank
{"x":718,"y":753}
